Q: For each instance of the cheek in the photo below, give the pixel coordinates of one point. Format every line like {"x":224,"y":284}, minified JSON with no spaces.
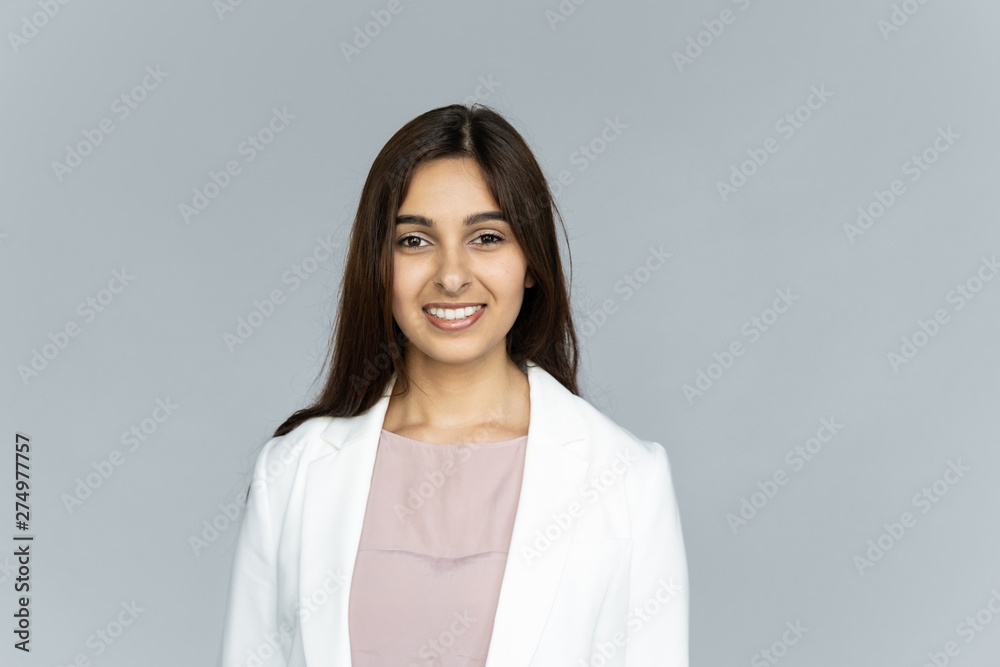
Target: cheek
{"x":507,"y":287}
{"x":409,"y":281}
{"x":402,"y":287}
{"x":509,"y":276}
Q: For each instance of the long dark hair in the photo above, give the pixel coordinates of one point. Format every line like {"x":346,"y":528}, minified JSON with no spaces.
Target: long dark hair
{"x":367,"y":345}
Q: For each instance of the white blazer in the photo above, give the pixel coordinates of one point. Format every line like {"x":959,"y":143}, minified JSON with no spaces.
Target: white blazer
{"x":596,"y":573}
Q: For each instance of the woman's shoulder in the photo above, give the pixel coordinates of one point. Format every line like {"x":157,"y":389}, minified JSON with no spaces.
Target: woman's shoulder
{"x":618,"y":458}
{"x":609,"y":439}
{"x":286,"y":453}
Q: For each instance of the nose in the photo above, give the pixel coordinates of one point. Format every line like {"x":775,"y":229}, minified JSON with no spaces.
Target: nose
{"x":453,"y":273}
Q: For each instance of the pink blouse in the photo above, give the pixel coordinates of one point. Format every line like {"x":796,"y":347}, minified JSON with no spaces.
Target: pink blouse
{"x":433,"y":548}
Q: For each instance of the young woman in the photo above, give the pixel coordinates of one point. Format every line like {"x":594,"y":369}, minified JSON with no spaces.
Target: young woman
{"x":450,"y":499}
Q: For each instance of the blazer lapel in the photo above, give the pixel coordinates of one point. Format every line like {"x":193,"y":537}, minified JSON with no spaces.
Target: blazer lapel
{"x":556,"y":461}
{"x":336,"y":495}
{"x":333,"y":511}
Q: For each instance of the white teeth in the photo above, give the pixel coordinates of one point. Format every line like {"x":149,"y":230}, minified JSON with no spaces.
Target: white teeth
{"x":452,"y":313}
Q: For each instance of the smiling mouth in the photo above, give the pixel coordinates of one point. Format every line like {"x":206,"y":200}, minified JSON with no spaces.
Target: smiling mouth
{"x":453,"y":314}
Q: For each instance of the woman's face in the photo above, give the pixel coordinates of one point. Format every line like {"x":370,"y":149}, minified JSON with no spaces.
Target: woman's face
{"x":452,"y":249}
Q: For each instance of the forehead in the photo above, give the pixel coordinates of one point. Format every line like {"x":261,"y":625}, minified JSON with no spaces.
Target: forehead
{"x":447,"y":184}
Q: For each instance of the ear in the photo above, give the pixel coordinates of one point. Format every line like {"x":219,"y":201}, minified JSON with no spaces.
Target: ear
{"x":529,"y":280}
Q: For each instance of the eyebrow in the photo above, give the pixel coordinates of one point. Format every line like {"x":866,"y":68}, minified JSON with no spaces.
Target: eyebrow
{"x":472,"y":219}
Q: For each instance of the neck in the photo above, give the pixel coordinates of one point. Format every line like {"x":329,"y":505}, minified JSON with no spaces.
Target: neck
{"x":479,"y":401}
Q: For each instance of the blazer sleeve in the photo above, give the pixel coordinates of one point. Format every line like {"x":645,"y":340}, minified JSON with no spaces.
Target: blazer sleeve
{"x":250,"y":633}
{"x":658,"y":589}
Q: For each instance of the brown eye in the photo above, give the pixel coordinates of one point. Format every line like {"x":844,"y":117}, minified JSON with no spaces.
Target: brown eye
{"x":402,"y":242}
{"x":498,"y":239}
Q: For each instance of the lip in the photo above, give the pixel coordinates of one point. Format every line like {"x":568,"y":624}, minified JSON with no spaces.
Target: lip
{"x":454,"y":325}
{"x":443,"y":304}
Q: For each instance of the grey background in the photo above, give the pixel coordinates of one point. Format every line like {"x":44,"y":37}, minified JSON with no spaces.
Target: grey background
{"x":655,"y":185}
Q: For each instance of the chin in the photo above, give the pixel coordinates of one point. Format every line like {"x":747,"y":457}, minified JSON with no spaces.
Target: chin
{"x":452,"y":352}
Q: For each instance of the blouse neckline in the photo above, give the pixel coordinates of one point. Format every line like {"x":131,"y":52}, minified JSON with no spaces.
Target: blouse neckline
{"x":403,"y":438}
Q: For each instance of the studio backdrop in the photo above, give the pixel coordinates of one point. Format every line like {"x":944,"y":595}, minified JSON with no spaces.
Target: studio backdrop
{"x":785,"y":245}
